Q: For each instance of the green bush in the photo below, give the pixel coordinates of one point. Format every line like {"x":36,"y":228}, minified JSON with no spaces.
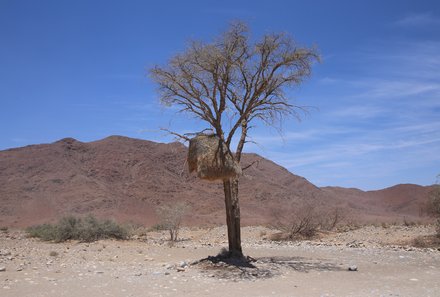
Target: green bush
{"x":87,"y":230}
{"x":46,"y":232}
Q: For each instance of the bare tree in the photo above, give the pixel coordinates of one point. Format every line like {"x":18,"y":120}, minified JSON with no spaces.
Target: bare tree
{"x":230,"y":83}
{"x":171,"y":216}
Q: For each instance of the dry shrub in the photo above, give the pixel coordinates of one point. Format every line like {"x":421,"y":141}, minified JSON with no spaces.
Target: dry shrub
{"x":296,"y":222}
{"x":305,"y":221}
{"x":429,"y":241}
{"x":330,"y":219}
{"x":211,"y":158}
{"x":86,"y":229}
{"x":434,"y":206}
{"x":171,"y":216}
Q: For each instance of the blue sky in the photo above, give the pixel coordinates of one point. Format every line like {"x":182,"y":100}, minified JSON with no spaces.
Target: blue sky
{"x":78,"y":69}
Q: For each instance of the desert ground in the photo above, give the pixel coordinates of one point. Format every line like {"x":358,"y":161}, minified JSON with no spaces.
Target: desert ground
{"x":147,"y":265}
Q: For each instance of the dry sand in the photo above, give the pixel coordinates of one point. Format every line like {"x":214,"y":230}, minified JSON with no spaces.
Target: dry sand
{"x":149,"y":267}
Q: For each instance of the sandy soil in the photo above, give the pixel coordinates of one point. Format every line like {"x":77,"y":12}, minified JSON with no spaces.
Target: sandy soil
{"x":150,"y":267}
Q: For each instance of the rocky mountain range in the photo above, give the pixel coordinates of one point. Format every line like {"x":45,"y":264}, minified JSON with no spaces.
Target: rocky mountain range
{"x":126,"y":179}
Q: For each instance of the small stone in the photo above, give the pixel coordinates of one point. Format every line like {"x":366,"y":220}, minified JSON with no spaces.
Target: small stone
{"x":5,"y":253}
{"x":183,"y":264}
{"x":352,"y":268}
{"x":180,"y":269}
{"x":2,"y":268}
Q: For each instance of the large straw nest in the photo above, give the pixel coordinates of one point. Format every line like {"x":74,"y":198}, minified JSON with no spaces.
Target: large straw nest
{"x":211,"y":159}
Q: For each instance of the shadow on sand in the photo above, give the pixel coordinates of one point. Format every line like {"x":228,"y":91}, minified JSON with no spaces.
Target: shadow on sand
{"x":224,"y":267}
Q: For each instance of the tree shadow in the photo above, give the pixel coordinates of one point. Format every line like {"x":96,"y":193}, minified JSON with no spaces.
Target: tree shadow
{"x":233,"y":268}
{"x":299,"y":264}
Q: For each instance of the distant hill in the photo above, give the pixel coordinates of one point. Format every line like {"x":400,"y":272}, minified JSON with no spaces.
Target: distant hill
{"x":127,"y":178}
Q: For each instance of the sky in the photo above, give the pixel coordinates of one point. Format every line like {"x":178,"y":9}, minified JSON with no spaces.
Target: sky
{"x":79,"y":69}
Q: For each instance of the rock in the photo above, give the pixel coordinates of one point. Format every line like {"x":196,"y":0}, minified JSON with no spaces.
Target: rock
{"x":183,"y":264}
{"x":180,"y":269}
{"x":5,"y":253}
{"x":352,"y":268}
{"x":2,"y":268}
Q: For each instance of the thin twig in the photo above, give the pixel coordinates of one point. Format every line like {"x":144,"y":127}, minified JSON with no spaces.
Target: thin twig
{"x":176,"y":134}
{"x":250,"y":165}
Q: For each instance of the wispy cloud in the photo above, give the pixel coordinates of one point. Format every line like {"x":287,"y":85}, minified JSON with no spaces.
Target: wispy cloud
{"x":359,"y":112}
{"x":388,"y":127}
{"x":421,"y":19}
{"x":394,"y":88}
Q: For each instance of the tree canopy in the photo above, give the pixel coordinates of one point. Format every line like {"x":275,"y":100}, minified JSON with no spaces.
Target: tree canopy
{"x":232,"y":82}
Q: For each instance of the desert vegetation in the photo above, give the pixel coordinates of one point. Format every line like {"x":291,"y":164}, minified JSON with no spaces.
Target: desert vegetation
{"x":86,"y":229}
{"x":305,"y":221}
{"x":171,"y":216}
{"x":434,"y":206}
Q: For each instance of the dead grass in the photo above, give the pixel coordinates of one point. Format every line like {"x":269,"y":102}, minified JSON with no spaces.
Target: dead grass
{"x":430,"y":241}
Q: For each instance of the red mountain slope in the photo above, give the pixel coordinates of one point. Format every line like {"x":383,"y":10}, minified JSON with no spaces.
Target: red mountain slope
{"x":127,"y":178}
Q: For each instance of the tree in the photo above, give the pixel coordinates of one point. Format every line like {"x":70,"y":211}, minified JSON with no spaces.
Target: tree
{"x":230,"y":83}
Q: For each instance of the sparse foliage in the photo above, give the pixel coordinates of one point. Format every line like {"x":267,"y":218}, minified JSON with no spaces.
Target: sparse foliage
{"x":304,"y":221}
{"x":434,"y":206}
{"x":171,"y":216}
{"x":330,"y":219}
{"x":297,"y":221}
{"x":88,"y":229}
{"x":231,"y":83}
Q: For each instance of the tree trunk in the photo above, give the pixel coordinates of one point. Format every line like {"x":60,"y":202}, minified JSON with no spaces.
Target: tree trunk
{"x":230,"y":188}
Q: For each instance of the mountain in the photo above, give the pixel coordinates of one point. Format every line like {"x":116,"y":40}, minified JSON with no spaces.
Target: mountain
{"x":399,"y":201}
{"x":126,"y":179}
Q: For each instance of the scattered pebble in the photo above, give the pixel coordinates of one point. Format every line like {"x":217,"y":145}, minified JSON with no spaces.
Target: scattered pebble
{"x":352,"y":268}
